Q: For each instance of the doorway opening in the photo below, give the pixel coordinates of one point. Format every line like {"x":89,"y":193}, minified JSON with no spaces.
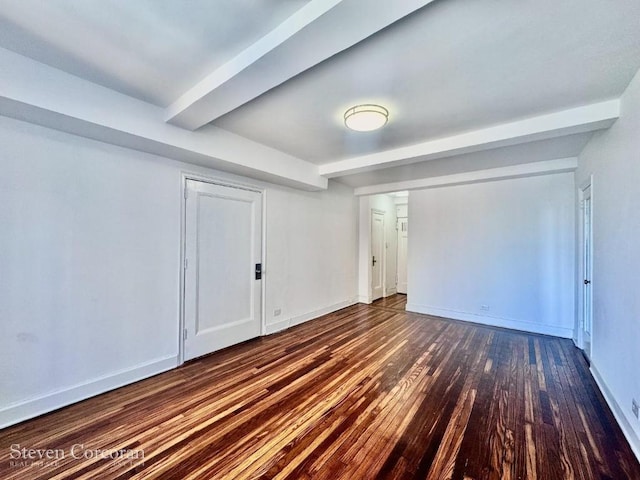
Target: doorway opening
{"x":383,"y":258}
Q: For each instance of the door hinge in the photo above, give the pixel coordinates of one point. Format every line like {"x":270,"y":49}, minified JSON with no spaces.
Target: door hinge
{"x":185,"y":334}
{"x":186,"y":263}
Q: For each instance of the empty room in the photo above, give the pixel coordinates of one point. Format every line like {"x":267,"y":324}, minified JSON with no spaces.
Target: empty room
{"x":319,"y":239}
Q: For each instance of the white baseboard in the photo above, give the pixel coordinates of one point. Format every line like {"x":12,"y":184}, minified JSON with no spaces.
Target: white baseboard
{"x":390,"y":291}
{"x":364,"y":299}
{"x":18,"y":412}
{"x":492,"y":321}
{"x":297,"y":320}
{"x":618,"y":412}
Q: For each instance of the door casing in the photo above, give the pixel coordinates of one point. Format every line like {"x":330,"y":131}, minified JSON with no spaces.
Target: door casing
{"x":183,"y":232}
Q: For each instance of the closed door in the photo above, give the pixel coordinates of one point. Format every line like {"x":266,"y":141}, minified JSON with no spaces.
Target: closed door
{"x":377,"y":255}
{"x":587,"y":249}
{"x":403,"y":232}
{"x":222,"y":250}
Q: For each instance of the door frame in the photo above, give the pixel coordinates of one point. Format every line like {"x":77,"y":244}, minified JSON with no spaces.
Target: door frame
{"x":183,"y":245}
{"x":588,"y":184}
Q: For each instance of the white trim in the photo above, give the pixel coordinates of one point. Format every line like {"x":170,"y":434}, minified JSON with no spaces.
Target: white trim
{"x":618,"y":413}
{"x":181,"y":273}
{"x":33,"y":407}
{"x":214,"y":180}
{"x":263,"y":320}
{"x":492,"y":321}
{"x":547,"y":167}
{"x":364,"y":299}
{"x":390,"y":291}
{"x":298,"y":319}
{"x":223,"y":182}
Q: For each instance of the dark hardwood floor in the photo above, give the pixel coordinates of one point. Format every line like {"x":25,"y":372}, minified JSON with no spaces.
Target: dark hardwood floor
{"x":366,"y":392}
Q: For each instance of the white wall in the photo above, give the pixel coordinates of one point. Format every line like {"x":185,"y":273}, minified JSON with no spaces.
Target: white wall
{"x":386,"y":204}
{"x":508,"y":245}
{"x":311,"y":257}
{"x":90,"y":263}
{"x":613,"y":157}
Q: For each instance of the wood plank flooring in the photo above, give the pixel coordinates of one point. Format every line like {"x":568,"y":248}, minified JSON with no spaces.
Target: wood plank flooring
{"x":368,"y":392}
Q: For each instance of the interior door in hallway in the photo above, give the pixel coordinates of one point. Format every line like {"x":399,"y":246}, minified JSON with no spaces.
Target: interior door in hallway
{"x":223,"y":248}
{"x":403,"y":232}
{"x":377,"y":255}
{"x":587,"y":249}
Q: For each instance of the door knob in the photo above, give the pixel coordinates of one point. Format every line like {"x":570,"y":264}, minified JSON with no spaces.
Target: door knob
{"x":587,"y":282}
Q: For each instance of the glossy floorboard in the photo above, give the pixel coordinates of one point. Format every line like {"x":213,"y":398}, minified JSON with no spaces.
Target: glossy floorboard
{"x":367,"y":392}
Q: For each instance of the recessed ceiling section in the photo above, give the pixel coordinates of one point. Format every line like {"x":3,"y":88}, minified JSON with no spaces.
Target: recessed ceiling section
{"x":316,"y":32}
{"x":589,"y":118}
{"x":152,"y":50}
{"x":453,"y":66}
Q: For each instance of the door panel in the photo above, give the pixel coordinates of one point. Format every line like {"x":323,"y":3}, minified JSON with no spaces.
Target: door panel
{"x":377,"y":255}
{"x":403,"y":232}
{"x":223,"y":246}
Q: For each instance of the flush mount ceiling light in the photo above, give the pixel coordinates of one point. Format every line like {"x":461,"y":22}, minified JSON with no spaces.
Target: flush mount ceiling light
{"x":367,"y":117}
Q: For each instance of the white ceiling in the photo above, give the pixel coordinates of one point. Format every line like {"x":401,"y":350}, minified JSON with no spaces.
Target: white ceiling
{"x":285,"y":71}
{"x":150,"y":49}
{"x":454,"y":66}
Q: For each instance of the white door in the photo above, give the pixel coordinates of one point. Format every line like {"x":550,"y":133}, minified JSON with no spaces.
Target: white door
{"x":403,"y":232}
{"x":222,"y":250}
{"x":377,"y":255}
{"x":587,"y":251}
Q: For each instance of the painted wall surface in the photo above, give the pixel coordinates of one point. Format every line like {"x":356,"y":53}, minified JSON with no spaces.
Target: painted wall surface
{"x":90,"y":263}
{"x":500,"y":253}
{"x":613,"y":157}
{"x":312,"y":257}
{"x":386,"y":204}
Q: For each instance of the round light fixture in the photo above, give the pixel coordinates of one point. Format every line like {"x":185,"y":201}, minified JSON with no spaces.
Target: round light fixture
{"x":364,"y":118}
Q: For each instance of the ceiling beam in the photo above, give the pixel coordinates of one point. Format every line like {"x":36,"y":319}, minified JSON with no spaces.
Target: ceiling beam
{"x":587,"y":118}
{"x":316,"y":32}
{"x":561,"y":165}
{"x":43,"y":95}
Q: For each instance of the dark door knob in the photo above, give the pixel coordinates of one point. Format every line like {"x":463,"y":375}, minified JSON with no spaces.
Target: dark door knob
{"x":587,"y":282}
